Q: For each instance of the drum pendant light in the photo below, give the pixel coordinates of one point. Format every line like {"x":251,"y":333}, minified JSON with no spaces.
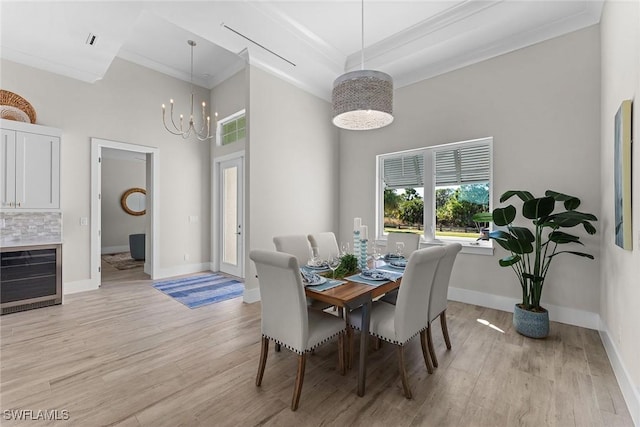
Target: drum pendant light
{"x":362,"y":99}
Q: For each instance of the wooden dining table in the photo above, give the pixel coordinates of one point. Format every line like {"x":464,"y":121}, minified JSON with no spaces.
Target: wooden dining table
{"x":349,"y":296}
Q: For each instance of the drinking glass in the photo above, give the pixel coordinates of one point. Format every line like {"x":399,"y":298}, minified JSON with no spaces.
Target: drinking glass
{"x":400,"y":249}
{"x":334,"y":263}
{"x":314,"y":256}
{"x":344,"y":248}
{"x":376,"y":255}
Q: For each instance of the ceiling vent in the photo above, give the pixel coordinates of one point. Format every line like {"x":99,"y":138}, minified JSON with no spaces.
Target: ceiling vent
{"x":91,"y":39}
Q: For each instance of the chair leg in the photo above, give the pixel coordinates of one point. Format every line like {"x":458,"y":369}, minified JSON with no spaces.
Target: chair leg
{"x":299,"y":379}
{"x":432,"y":350}
{"x":425,"y":352}
{"x":263,"y":360}
{"x":403,"y":373}
{"x":277,"y":347}
{"x":445,"y":331}
{"x":341,"y":348}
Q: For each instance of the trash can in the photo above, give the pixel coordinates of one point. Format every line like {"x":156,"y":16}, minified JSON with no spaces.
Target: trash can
{"x":136,"y":246}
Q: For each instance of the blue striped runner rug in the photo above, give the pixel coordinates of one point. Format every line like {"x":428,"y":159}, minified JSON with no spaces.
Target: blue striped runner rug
{"x":196,"y":291}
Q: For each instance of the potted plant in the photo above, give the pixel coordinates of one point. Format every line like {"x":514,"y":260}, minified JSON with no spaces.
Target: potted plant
{"x":531,"y":251}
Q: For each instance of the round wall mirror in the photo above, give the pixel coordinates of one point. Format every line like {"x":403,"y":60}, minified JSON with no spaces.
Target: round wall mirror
{"x":133,"y":201}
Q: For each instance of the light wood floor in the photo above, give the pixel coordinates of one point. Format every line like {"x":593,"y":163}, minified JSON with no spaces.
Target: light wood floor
{"x":129,"y":355}
{"x":110,"y":274}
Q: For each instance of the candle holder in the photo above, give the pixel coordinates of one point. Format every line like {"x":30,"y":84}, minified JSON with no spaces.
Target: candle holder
{"x":356,"y":244}
{"x":363,"y":254}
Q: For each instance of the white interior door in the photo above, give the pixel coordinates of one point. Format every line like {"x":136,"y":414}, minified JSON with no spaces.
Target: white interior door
{"x":231,"y":248}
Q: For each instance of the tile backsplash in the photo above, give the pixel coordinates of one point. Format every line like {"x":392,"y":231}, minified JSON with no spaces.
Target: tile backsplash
{"x":30,"y":228}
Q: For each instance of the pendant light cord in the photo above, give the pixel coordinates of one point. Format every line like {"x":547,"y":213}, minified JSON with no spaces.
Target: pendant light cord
{"x":362,"y":31}
{"x":191,"y":77}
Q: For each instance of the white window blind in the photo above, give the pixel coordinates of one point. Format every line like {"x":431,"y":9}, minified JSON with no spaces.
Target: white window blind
{"x":405,"y":171}
{"x":464,"y":165}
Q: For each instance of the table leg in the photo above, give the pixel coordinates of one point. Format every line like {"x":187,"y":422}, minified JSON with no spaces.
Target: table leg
{"x":364,"y":346}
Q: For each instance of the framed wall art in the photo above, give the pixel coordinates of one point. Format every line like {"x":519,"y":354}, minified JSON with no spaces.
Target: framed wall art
{"x":622,"y":176}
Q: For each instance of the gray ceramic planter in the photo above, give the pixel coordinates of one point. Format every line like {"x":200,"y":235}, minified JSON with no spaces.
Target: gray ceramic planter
{"x":531,"y":324}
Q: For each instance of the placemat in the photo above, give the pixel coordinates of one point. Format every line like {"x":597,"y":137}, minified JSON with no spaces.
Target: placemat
{"x":330,"y":283}
{"x":396,"y":272}
{"x":358,"y":279}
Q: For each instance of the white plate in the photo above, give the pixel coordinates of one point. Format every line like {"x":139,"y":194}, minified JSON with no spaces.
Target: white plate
{"x":400,"y":265}
{"x":317,"y":267}
{"x":377,"y":276}
{"x":317,"y":282}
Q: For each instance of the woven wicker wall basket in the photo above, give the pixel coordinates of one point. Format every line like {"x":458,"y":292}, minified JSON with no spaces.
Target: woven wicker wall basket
{"x":15,"y":107}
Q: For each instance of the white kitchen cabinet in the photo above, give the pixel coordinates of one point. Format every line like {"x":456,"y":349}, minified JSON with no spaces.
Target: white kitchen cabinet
{"x":29,"y":166}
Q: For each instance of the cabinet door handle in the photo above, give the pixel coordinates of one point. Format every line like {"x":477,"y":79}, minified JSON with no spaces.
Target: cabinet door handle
{"x":19,"y":204}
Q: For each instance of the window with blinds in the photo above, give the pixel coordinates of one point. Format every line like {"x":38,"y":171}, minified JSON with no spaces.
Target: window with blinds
{"x":435,"y":191}
{"x":463,"y":165}
{"x":404,"y":171}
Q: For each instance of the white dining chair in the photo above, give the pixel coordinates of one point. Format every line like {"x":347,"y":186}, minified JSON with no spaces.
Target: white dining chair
{"x":299,"y":246}
{"x":326,"y":243}
{"x":438,"y":299}
{"x":398,"y":324}
{"x":411,"y":242}
{"x":285,"y":318}
{"x":294,"y":244}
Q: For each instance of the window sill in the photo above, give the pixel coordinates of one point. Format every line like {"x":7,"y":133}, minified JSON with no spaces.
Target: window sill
{"x":474,"y":248}
{"x":468,"y":246}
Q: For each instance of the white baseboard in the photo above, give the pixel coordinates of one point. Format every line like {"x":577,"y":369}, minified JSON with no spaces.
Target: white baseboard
{"x":114,"y":249}
{"x":251,"y":295}
{"x":79,"y":286}
{"x":571,"y":316}
{"x":180,"y":270}
{"x":630,"y":391}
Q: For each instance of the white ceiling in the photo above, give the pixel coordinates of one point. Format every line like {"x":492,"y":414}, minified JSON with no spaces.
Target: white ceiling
{"x":311,"y":42}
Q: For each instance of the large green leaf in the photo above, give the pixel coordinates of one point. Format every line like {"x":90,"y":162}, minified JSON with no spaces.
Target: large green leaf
{"x":523,"y":233}
{"x":573,"y":218}
{"x":499,"y":235}
{"x":524,"y":195}
{"x":504,"y":216}
{"x":582,"y":254}
{"x":519,"y":246}
{"x":509,"y":261}
{"x":570,"y":202}
{"x":538,"y":208}
{"x":589,"y":228}
{"x":504,"y":244}
{"x":560,"y":238}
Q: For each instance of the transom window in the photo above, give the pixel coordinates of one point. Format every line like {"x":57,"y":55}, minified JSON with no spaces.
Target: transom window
{"x":435,"y":191}
{"x":232,"y":128}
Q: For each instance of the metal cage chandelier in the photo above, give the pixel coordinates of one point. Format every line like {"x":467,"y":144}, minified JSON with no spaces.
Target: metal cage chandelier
{"x":362,"y":99}
{"x":191,"y":128}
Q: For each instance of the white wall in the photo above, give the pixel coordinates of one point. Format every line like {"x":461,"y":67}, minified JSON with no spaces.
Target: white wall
{"x":541,"y":105}
{"x":124,"y":106}
{"x":293,"y":163}
{"x":228,"y":98}
{"x":118,"y":176}
{"x":620,"y":293}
